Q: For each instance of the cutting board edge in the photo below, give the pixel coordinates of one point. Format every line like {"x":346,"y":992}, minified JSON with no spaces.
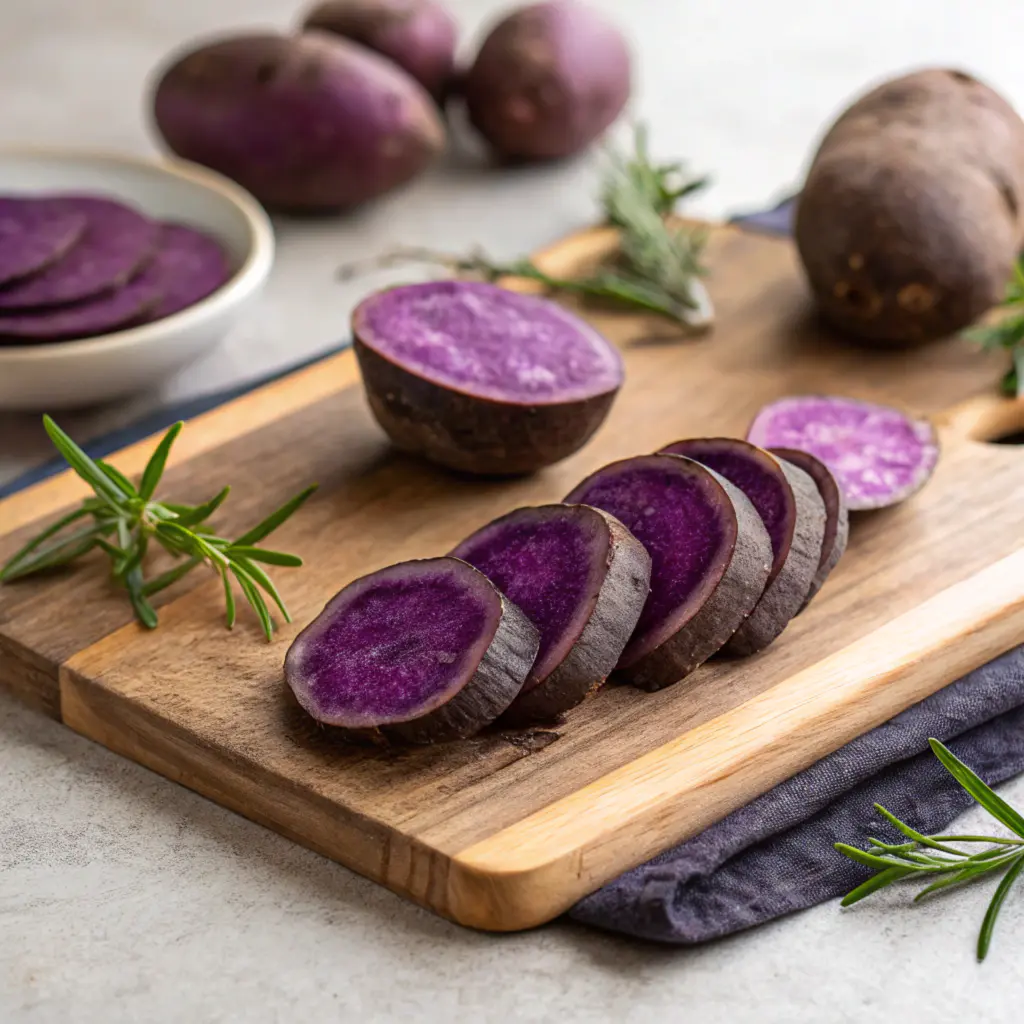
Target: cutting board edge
{"x":527,"y":874}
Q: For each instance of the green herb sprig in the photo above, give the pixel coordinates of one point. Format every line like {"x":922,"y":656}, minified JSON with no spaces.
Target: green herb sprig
{"x":1008,"y":333}
{"x":123,"y":520}
{"x":658,"y":268}
{"x":939,"y":860}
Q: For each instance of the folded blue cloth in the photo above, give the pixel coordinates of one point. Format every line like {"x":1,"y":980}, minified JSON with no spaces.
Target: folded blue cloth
{"x":775,"y":855}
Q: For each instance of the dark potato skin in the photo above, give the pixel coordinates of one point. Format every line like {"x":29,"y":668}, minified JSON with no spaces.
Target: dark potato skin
{"x":911,"y":215}
{"x":418,"y":35}
{"x":596,"y":652}
{"x":306,"y":123}
{"x":472,"y":434}
{"x":547,"y":81}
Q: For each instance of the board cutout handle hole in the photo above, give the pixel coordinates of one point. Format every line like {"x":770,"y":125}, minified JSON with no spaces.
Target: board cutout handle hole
{"x":1000,"y":422}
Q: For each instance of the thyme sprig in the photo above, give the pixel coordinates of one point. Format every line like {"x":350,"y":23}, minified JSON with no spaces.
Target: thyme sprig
{"x":123,"y":520}
{"x":939,"y":860}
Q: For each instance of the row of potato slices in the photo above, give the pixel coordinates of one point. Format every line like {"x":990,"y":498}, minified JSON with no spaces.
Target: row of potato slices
{"x":648,"y":568}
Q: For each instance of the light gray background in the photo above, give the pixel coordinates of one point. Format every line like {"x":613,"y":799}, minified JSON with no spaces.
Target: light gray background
{"x":126,"y":898}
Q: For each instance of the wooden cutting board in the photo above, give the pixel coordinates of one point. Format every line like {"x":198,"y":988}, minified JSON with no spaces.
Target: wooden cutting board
{"x":506,"y":831}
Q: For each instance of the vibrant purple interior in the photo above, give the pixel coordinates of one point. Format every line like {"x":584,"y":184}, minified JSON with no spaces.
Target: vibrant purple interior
{"x":32,"y":235}
{"x":761,"y":481}
{"x":490,"y":342}
{"x":876,"y":453}
{"x":116,"y":241}
{"x":191,"y":265}
{"x":676,"y":512}
{"x":396,"y":644}
{"x":550,"y":562}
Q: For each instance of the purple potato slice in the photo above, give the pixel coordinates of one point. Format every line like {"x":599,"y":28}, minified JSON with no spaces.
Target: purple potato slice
{"x":793,"y":513}
{"x":879,"y":455}
{"x":191,"y":264}
{"x":32,"y":236}
{"x":481,"y":379}
{"x":837,"y":516}
{"x":117,"y":241}
{"x":582,"y":579}
{"x":710,"y":556}
{"x":420,"y":652}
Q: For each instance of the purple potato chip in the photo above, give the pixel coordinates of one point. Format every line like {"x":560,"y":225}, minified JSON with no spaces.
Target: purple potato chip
{"x":115,"y":244}
{"x":111,"y":311}
{"x":191,"y":265}
{"x":32,"y":236}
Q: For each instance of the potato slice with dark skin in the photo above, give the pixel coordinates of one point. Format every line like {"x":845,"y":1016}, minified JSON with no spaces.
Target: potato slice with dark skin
{"x":710,"y":556}
{"x":793,"y":513}
{"x":419,"y":652}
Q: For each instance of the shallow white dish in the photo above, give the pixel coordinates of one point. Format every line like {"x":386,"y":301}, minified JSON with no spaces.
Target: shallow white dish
{"x":42,"y":377}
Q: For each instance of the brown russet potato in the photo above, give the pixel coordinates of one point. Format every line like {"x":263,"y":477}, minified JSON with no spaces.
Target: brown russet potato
{"x":910,"y":217}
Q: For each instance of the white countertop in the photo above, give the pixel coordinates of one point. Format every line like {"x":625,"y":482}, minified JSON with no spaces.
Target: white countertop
{"x":125,"y":898}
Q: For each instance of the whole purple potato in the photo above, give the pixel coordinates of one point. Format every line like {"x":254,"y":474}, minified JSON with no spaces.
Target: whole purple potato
{"x":312,"y":122}
{"x":548,"y":80}
{"x":418,"y":35}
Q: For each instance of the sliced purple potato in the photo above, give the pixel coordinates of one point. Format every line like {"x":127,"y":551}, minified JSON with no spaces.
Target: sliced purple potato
{"x":582,"y":579}
{"x":32,"y":236}
{"x":710,"y":560}
{"x":111,"y":311}
{"x":837,"y":516}
{"x":419,"y":652}
{"x":117,"y":241}
{"x":879,"y":456}
{"x":793,"y":513}
{"x":481,"y":379}
{"x":191,"y":265}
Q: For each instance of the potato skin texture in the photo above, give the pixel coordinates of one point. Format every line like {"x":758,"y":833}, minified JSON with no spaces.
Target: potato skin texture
{"x":547,"y":81}
{"x":418,"y":35}
{"x":306,"y":123}
{"x":910,"y":218}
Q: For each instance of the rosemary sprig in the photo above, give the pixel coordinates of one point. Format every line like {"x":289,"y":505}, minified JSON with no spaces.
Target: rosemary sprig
{"x":658,"y":268}
{"x":939,"y":859}
{"x":122,"y":520}
{"x":1008,"y":333}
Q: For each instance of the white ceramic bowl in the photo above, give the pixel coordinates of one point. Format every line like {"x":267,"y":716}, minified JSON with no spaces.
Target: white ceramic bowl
{"x":60,"y":375}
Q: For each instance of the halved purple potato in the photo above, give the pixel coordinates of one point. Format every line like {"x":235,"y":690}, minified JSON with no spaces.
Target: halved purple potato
{"x":879,"y":455}
{"x":837,"y":516}
{"x":794,"y":515}
{"x":582,"y":579}
{"x":32,"y":236}
{"x":420,"y":652}
{"x":110,"y":311}
{"x":481,"y":379}
{"x":710,"y":556}
{"x":191,"y":265}
{"x":116,"y":243}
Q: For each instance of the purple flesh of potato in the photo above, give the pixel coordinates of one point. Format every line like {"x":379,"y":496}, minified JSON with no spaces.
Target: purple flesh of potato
{"x":419,"y":652}
{"x":191,"y":265}
{"x":115,"y":244}
{"x":879,"y":456}
{"x":32,"y":236}
{"x":837,"y":516}
{"x":113,"y":311}
{"x":481,"y":379}
{"x":710,"y":556}
{"x":793,"y":512}
{"x":582,"y":579}
{"x":417,"y":35}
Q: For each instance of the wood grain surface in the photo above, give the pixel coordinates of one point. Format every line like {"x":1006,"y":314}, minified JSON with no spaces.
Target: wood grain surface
{"x":507,"y":830}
